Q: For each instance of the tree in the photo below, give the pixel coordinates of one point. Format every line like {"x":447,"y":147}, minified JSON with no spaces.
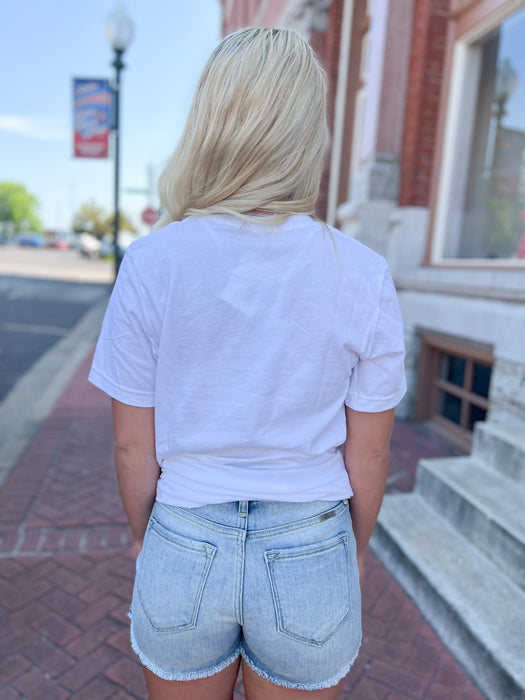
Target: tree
{"x":124,"y":223}
{"x":91,"y":218}
{"x":98,"y":221}
{"x":19,"y":207}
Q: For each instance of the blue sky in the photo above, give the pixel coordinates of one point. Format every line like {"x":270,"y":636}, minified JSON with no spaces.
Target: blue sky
{"x":45,"y":43}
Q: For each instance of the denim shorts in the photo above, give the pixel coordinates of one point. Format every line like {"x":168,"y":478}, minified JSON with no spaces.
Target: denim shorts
{"x":274,"y":582}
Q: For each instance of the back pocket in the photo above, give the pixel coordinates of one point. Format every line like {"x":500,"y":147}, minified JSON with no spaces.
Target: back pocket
{"x":172,"y":575}
{"x":311,"y":589}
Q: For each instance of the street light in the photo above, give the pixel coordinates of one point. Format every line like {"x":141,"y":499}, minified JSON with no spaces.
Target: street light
{"x":119,"y":32}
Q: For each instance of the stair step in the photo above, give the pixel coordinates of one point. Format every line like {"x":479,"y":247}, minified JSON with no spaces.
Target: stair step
{"x":482,"y":504}
{"x":501,"y":448}
{"x":477,"y":611}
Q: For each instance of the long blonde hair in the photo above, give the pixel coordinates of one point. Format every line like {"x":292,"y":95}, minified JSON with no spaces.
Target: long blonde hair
{"x":256,"y":133}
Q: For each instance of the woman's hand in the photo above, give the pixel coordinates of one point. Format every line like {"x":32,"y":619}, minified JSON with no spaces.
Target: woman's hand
{"x":135,"y":549}
{"x":361,"y":567}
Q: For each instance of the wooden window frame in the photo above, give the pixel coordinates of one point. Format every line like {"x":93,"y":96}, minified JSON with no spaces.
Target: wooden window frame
{"x":469,"y":20}
{"x":433,"y":347}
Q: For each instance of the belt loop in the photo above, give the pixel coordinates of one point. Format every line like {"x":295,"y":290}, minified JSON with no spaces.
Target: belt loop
{"x":243,"y":509}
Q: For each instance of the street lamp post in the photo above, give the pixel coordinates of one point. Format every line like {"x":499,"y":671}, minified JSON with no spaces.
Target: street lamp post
{"x":119,"y":32}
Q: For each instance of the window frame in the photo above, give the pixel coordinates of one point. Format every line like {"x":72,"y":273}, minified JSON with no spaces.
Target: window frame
{"x":470,"y":22}
{"x":433,"y":346}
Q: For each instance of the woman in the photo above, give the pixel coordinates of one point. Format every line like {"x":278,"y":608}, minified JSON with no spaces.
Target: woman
{"x":244,"y":343}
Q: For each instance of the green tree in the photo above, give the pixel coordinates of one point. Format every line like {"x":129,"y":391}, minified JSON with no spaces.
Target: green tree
{"x":19,"y":207}
{"x":124,"y":222}
{"x":91,"y":218}
{"x":98,"y":221}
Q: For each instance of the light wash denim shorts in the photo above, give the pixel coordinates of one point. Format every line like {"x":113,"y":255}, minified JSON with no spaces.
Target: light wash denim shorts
{"x":274,"y":582}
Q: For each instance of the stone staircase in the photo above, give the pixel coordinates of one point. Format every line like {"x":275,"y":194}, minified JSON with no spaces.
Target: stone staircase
{"x":457,"y":546}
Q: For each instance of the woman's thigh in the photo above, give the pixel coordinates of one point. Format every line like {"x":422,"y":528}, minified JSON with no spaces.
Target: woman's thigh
{"x":258,"y":688}
{"x":220,"y":686}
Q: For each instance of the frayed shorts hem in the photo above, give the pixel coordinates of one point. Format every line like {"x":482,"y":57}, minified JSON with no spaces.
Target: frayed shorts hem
{"x":168,"y":675}
{"x":286,"y":683}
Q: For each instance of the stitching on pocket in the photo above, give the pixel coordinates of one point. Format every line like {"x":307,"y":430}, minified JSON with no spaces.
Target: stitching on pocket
{"x":305,"y":564}
{"x":182,"y":571}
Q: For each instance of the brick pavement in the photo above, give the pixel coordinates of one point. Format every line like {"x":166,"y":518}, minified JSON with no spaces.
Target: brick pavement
{"x":66,"y":576}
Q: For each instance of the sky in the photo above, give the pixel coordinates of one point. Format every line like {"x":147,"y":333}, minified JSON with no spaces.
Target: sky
{"x":44,"y":44}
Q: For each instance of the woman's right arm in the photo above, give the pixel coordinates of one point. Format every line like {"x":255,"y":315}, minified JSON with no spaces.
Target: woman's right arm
{"x":136,"y":465}
{"x":366,"y":454}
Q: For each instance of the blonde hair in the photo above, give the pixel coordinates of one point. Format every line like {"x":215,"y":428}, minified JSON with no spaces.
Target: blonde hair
{"x":256,"y":133}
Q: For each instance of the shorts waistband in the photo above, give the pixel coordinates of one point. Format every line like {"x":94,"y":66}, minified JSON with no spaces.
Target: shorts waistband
{"x":258,"y":518}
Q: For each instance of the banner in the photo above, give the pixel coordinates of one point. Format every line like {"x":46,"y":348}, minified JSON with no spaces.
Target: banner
{"x":91,"y":117}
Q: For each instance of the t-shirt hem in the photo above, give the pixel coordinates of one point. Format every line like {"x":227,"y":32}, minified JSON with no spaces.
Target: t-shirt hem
{"x":199,"y":500}
{"x":373,"y":405}
{"x":131,"y":398}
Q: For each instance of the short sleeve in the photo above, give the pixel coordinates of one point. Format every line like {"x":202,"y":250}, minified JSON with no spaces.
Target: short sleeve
{"x":125,"y":361}
{"x":378,"y":379}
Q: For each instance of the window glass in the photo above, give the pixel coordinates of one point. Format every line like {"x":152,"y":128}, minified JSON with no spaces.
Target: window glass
{"x":475,"y":414}
{"x":481,"y":381}
{"x":493,"y":221}
{"x":453,"y":369}
{"x":449,"y":406}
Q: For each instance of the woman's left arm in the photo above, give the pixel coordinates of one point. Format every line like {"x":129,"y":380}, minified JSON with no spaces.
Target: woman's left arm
{"x":136,"y":464}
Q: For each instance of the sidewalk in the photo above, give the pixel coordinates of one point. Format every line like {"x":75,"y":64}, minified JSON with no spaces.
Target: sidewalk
{"x":66,"y":576}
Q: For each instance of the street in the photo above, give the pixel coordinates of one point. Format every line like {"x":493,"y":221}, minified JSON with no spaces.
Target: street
{"x":34,"y":315}
{"x":51,"y":306}
{"x":43,"y":294}
{"x":50,"y":263}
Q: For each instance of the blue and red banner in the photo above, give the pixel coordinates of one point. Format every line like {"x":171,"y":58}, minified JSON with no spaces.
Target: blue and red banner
{"x":91,"y":117}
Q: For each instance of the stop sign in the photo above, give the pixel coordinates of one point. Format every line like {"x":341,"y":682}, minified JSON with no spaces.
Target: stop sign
{"x":150,"y":216}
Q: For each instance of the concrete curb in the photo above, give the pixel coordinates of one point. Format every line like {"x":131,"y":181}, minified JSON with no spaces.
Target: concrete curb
{"x":33,"y":397}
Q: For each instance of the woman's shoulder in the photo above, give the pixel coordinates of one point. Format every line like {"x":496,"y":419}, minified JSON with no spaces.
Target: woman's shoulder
{"x":162,"y":242}
{"x":355,"y":255}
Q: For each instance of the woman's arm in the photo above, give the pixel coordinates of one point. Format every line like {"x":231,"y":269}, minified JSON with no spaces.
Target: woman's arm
{"x":366,"y":453}
{"x":136,"y":464}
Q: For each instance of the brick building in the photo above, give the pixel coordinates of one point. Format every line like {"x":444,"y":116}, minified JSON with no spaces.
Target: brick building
{"x":427,"y":166}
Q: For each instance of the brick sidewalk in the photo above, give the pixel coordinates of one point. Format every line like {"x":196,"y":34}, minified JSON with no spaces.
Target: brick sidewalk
{"x":66,"y":576}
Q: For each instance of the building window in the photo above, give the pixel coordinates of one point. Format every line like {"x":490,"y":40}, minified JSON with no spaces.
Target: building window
{"x":483,"y":199}
{"x":453,"y":386}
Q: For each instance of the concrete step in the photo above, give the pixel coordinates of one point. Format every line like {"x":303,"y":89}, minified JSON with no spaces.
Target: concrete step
{"x":502,"y":448}
{"x":476,"y":610}
{"x":482,"y":504}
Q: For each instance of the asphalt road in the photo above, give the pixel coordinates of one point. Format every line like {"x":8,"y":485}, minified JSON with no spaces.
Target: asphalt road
{"x":34,"y":315}
{"x":51,"y":306}
{"x":44,"y":293}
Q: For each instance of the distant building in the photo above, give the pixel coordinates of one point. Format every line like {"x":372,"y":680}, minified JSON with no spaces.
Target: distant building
{"x":427,"y":166}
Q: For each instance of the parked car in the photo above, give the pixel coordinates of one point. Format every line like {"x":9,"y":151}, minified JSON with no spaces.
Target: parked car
{"x":125,"y":238}
{"x":63,"y":240}
{"x":89,"y":245}
{"x":35,"y":240}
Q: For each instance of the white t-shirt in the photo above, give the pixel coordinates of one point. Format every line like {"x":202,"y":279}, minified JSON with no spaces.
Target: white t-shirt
{"x":249,"y":339}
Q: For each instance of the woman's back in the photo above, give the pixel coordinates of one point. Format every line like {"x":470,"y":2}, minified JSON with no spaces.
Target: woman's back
{"x":247,"y":336}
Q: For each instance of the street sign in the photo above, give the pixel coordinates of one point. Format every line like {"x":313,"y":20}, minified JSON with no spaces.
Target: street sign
{"x":150,"y":216}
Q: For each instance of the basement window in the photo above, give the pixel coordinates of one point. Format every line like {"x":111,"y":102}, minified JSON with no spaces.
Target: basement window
{"x":453,"y":386}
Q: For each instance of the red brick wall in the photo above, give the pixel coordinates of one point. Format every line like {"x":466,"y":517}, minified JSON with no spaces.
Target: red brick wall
{"x":423,"y":95}
{"x":330,"y":60}
{"x":250,"y":13}
{"x":243,"y":13}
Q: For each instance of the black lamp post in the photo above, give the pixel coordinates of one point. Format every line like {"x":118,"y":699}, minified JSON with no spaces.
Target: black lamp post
{"x":119,"y":32}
